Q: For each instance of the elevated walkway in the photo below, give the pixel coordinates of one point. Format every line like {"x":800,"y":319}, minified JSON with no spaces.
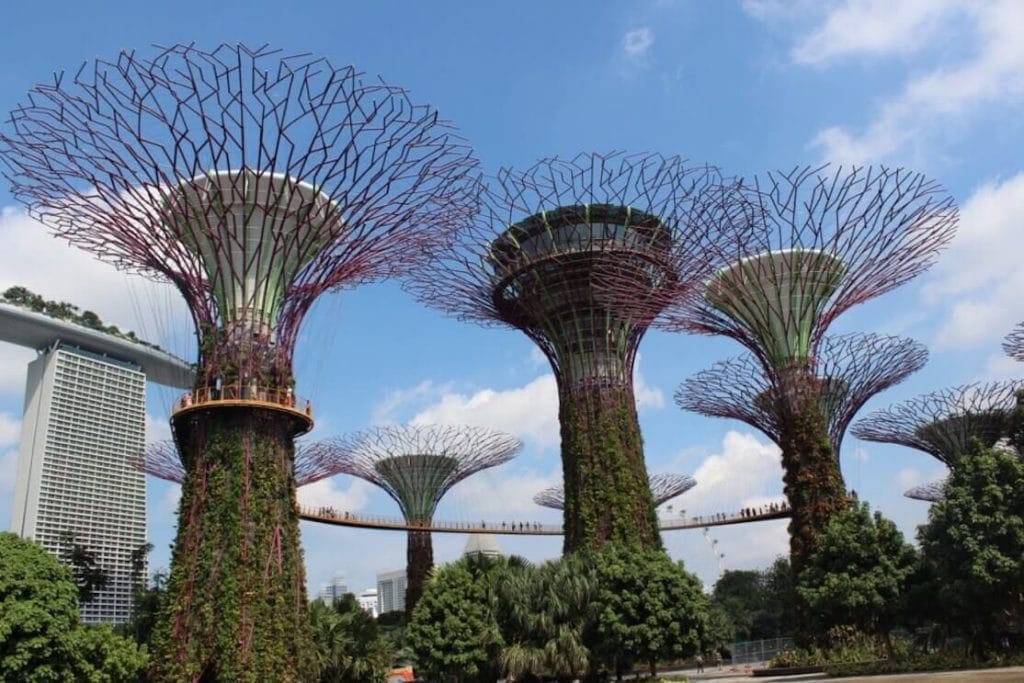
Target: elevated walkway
{"x":245,"y":396}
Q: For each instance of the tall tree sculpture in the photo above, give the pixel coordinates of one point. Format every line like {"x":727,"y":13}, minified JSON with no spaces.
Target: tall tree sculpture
{"x":1014,"y":343}
{"x":530,"y":263}
{"x":254,"y":182}
{"x":944,"y":423}
{"x":850,"y":368}
{"x":811,"y":244}
{"x":416,"y":466}
{"x":664,"y":487}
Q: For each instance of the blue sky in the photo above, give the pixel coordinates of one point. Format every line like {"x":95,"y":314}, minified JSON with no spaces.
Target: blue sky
{"x":934,"y":85}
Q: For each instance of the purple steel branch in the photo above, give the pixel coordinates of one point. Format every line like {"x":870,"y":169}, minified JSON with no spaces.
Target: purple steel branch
{"x":930,"y":493}
{"x":163,"y":461}
{"x":942,"y":423}
{"x":1014,"y":343}
{"x":852,"y":368}
{"x":113,"y":157}
{"x":664,"y":487}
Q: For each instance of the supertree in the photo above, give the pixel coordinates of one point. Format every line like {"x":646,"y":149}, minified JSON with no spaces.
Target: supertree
{"x":664,"y":487}
{"x":849,"y":368}
{"x":162,"y":460}
{"x":1014,"y":343}
{"x":254,"y":182}
{"x":929,"y":493}
{"x":808,"y":244}
{"x":531,"y":260}
{"x":944,"y":423}
{"x":416,"y":466}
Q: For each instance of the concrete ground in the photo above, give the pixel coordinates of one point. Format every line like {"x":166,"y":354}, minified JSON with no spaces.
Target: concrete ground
{"x":1008,"y":675}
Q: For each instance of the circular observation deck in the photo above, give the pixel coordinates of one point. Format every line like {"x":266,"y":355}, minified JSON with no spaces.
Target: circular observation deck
{"x":246,"y":396}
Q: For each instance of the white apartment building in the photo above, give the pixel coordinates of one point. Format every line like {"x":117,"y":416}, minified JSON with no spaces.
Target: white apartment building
{"x":391,"y":591}
{"x":84,"y":420}
{"x":368,"y":601}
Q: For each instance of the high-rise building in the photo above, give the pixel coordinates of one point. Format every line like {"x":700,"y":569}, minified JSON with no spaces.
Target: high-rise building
{"x":331,"y":592}
{"x":391,"y":591}
{"x":85,"y":417}
{"x":368,"y":601}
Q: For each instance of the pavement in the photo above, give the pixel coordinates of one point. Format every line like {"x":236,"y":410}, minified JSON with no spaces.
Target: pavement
{"x":1005,"y":675}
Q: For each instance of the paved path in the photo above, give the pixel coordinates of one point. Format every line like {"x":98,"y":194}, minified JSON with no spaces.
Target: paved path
{"x":1007,"y":675}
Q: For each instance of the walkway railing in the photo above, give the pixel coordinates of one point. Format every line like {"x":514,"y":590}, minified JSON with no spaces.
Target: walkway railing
{"x":244,"y":393}
{"x":328,"y":515}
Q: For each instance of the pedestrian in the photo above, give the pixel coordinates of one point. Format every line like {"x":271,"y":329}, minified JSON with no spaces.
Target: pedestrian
{"x":700,"y":664}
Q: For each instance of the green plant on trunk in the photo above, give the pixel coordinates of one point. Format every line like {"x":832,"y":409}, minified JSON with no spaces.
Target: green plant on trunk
{"x":235,"y":608}
{"x":607,"y":493}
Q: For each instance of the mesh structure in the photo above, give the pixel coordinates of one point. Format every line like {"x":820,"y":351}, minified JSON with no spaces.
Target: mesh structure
{"x":1014,"y":343}
{"x":532,"y":261}
{"x":929,"y":493}
{"x":163,"y":461}
{"x":943,"y":423}
{"x":416,"y":466}
{"x":849,"y":370}
{"x":254,"y":182}
{"x":664,"y":487}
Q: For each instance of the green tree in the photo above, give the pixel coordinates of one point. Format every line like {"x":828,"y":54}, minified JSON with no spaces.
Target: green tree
{"x":974,"y":540}
{"x":453,"y":630}
{"x":757,"y":603}
{"x":651,"y":609}
{"x":86,"y":571}
{"x":349,"y":645}
{"x":146,"y":604}
{"x":858,"y":573}
{"x":38,"y":614}
{"x":106,"y":657}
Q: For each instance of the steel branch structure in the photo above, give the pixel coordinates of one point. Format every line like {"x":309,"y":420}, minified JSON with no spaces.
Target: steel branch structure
{"x":254,"y":182}
{"x":943,"y":423}
{"x":1014,"y":343}
{"x":664,"y":487}
{"x":416,"y":466}
{"x":850,"y":369}
{"x":929,"y":493}
{"x":532,"y":261}
{"x":163,"y":461}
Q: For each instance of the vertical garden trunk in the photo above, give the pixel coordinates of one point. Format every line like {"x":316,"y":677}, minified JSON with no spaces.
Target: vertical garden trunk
{"x":419,"y":557}
{"x":607,"y":494}
{"x":235,"y":608}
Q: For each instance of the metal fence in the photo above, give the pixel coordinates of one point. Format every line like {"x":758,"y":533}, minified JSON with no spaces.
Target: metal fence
{"x":759,"y":650}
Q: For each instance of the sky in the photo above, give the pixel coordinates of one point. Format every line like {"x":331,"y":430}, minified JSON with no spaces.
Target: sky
{"x":933,"y":85}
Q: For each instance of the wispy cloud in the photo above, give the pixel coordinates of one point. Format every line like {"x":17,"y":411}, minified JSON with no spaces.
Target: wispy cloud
{"x":636,"y":46}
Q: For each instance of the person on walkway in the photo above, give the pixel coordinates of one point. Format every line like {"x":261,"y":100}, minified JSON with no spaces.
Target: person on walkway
{"x":700,"y":664}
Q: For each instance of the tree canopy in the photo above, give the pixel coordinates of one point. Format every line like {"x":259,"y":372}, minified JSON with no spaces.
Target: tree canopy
{"x":350,"y":647}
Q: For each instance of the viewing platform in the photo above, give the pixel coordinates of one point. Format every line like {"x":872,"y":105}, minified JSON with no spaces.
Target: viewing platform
{"x":246,"y":396}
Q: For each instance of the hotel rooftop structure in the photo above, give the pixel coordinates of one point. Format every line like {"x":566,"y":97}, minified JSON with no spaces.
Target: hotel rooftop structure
{"x":84,"y":420}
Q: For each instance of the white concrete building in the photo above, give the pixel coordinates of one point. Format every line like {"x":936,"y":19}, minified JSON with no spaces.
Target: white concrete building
{"x":391,"y":591}
{"x":368,"y":601}
{"x":485,"y":545}
{"x":85,"y":418}
{"x":331,"y":592}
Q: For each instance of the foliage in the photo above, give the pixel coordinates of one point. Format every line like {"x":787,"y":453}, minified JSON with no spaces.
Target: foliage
{"x":146,"y":603}
{"x":107,"y":657}
{"x":607,"y":493}
{"x":939,"y":661}
{"x":838,"y":644}
{"x":974,"y":540}
{"x":235,"y":607}
{"x":38,"y":614}
{"x":453,"y":630}
{"x":651,"y":609}
{"x":349,"y":645}
{"x":758,"y":604}
{"x":86,"y":571}
{"x":62,"y":310}
{"x":858,"y":573}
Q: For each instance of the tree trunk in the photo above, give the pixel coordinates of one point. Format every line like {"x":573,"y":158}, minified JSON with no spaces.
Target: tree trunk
{"x":235,"y":608}
{"x":419,"y":557}
{"x":607,"y":494}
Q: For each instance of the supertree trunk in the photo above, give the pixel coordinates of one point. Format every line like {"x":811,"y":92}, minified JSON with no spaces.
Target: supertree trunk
{"x":607,"y":494}
{"x":419,"y":556}
{"x":235,"y":608}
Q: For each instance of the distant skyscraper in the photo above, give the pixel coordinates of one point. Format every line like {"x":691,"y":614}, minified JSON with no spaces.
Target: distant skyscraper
{"x":391,"y":591}
{"x":332,"y":592}
{"x":368,"y":601}
{"x":85,"y":416}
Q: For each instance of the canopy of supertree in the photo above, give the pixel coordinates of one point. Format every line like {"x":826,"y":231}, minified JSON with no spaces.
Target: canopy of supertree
{"x":532,"y":260}
{"x":252,"y":181}
{"x":664,"y":487}
{"x":1014,"y":343}
{"x":806,"y":245}
{"x":849,"y":370}
{"x":416,"y":466}
{"x":162,"y":460}
{"x":944,"y":422}
{"x":930,"y":493}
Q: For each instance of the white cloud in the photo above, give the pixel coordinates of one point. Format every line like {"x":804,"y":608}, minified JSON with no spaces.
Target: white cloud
{"x":908,"y":477}
{"x":873,"y":27}
{"x":992,"y":73}
{"x":14,"y":362}
{"x":327,"y":493}
{"x":386,"y":412}
{"x":979,"y":279}
{"x":497,"y":495}
{"x":8,"y":470}
{"x":746,"y":471}
{"x":10,"y":429}
{"x":157,"y":429}
{"x":637,"y":43}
